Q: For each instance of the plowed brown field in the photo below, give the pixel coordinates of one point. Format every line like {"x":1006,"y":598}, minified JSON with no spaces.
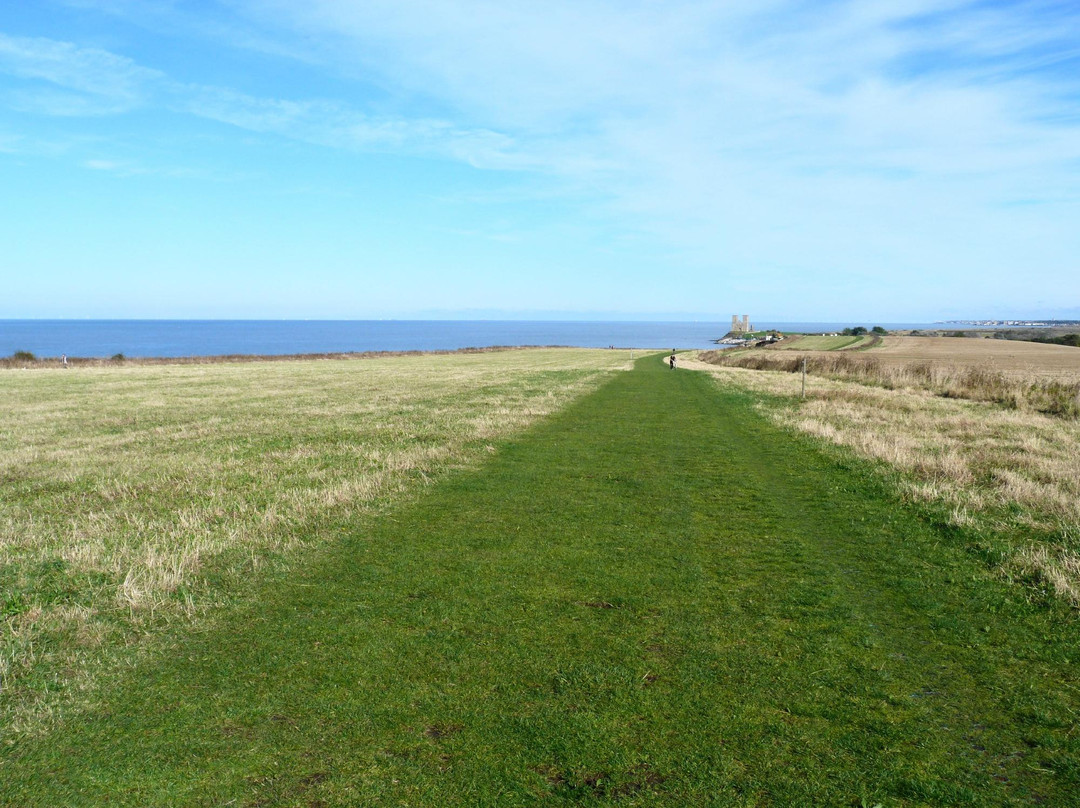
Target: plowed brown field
{"x":1030,"y":359}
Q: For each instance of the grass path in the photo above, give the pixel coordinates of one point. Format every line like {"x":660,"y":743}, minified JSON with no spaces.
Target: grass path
{"x":653,"y":597}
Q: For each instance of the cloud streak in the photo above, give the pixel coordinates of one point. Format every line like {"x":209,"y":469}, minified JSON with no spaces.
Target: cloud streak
{"x":69,"y":81}
{"x":582,"y":90}
{"x":898,"y":89}
{"x":78,"y":81}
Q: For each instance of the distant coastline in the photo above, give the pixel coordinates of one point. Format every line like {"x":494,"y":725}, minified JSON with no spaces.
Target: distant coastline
{"x":101,"y":339}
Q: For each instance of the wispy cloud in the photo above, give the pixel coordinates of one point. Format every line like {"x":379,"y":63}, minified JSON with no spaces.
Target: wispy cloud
{"x":208,"y":21}
{"x":77,"y":81}
{"x":102,"y":165}
{"x":900,"y":89}
{"x":338,"y":125}
{"x":847,"y":87}
{"x":126,"y":168}
{"x":69,"y":81}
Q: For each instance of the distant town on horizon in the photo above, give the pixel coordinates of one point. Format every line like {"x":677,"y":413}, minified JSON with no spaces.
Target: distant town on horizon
{"x":1025,"y":323}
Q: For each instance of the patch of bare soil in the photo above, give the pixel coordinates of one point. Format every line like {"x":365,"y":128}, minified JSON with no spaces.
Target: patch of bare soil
{"x":1006,"y":356}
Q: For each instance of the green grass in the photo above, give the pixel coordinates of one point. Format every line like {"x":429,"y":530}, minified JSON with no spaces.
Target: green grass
{"x":820,"y":343}
{"x":651,"y":597}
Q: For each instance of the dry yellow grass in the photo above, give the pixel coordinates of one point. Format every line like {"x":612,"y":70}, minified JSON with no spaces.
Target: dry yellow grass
{"x":1017,"y":469}
{"x":1046,"y":385}
{"x":123,"y":485}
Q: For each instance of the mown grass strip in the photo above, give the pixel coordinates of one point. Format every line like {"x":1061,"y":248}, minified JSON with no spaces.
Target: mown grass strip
{"x":654,"y":597}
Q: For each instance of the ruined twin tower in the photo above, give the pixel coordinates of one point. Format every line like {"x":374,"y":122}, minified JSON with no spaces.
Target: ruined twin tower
{"x":741,"y":328}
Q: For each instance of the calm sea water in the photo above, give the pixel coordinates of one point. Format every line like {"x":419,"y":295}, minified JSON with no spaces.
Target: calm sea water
{"x":103,"y":338}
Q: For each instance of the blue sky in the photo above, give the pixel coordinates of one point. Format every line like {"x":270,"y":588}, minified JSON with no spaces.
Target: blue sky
{"x":825,"y":160}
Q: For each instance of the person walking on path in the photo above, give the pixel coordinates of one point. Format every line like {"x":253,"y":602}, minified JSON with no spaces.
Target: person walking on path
{"x":671,"y":361}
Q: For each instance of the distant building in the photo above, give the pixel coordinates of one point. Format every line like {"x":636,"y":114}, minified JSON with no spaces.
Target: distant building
{"x":742,"y":327}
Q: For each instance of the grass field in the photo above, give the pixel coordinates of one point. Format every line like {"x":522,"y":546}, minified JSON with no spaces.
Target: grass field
{"x":652,"y":596}
{"x":136,"y":494}
{"x":821,"y":343}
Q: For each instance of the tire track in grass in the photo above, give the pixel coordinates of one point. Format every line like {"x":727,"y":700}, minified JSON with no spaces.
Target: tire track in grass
{"x":654,"y":597}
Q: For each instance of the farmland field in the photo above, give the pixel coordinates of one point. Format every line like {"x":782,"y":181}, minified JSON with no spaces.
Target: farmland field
{"x":1028,"y":359}
{"x":1007,"y":356}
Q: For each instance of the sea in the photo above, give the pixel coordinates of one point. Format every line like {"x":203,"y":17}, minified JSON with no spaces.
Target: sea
{"x":174,"y":338}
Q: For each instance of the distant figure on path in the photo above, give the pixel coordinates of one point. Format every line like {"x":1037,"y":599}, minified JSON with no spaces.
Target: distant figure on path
{"x":63,"y":359}
{"x":671,"y":361}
